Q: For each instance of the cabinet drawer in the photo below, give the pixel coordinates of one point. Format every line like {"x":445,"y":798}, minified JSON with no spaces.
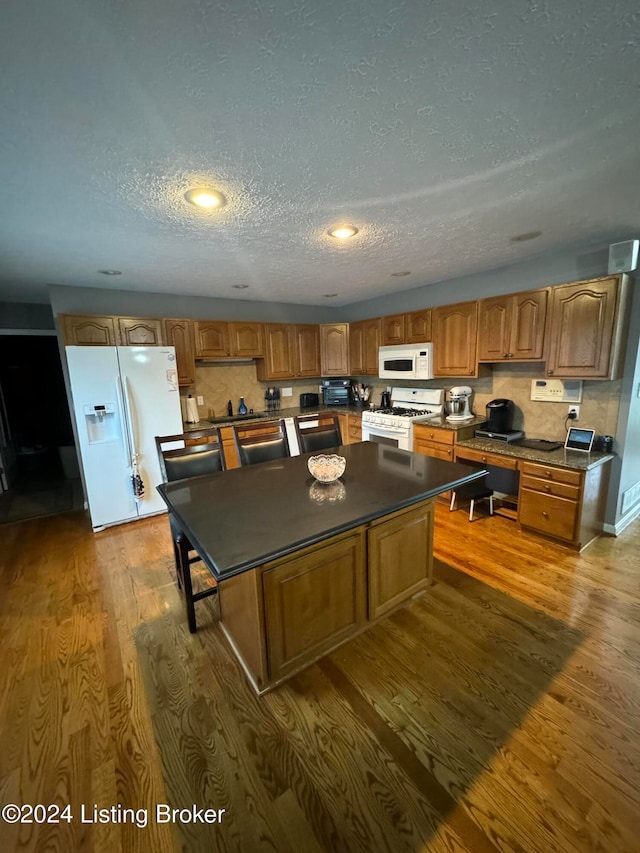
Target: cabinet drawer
{"x":509,"y":462}
{"x":429,"y":433}
{"x":546,"y":472}
{"x":549,"y":487}
{"x":554,"y":516}
{"x":433,"y":448}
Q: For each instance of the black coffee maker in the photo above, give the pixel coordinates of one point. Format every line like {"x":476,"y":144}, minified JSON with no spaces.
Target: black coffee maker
{"x":499,"y":415}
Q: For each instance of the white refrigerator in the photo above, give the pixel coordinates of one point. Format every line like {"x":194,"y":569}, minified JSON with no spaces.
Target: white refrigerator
{"x":122,"y":398}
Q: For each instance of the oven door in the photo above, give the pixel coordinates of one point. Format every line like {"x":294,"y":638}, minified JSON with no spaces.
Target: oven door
{"x":399,"y":437}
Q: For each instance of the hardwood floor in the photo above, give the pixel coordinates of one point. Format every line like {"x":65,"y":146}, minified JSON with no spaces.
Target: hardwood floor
{"x":499,"y":711}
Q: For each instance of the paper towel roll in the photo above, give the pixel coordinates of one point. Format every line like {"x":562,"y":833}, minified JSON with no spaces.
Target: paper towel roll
{"x":191,"y":408}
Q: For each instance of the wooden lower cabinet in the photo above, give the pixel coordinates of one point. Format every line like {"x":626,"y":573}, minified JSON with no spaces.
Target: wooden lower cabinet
{"x":314,"y":602}
{"x":354,"y":429}
{"x":564,"y":504}
{"x":400,"y":552}
{"x":440,"y":443}
{"x":282,"y":616}
{"x":229,"y":448}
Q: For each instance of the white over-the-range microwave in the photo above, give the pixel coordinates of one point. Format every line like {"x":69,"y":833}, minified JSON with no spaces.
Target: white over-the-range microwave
{"x":406,"y":361}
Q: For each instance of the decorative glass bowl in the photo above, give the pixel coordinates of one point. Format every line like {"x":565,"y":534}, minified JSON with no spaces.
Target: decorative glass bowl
{"x":326,"y":467}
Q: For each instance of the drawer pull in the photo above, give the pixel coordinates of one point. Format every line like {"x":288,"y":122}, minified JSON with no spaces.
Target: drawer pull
{"x":484,"y":458}
{"x":545,"y":514}
{"x":547,"y":488}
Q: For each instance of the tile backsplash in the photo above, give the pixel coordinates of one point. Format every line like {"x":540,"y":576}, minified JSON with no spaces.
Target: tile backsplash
{"x":219,"y":383}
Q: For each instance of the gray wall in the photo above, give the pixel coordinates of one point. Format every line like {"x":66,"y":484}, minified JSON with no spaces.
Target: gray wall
{"x":89,"y":300}
{"x":540,"y":271}
{"x":26,"y":315}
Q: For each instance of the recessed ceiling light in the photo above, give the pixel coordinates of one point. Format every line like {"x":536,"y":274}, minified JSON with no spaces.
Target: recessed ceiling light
{"x":400,"y":274}
{"x":343,"y":232}
{"x":522,"y":238}
{"x":240,"y":286}
{"x":110,"y":272}
{"x":202,"y":197}
{"x":329,"y":295}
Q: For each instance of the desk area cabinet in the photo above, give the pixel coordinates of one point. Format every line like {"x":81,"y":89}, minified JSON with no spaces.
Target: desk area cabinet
{"x":564,"y":500}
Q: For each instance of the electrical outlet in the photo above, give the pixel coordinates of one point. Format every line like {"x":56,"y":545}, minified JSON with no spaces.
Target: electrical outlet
{"x":200,"y":401}
{"x":287,"y":392}
{"x":574,"y":412}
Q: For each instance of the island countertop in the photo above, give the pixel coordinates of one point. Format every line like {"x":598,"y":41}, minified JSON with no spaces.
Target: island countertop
{"x":242,"y":518}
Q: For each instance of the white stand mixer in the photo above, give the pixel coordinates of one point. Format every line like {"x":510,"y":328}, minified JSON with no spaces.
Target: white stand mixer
{"x":458,"y":403}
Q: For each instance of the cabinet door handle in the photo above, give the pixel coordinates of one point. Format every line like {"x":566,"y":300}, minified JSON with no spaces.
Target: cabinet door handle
{"x":471,"y":372}
{"x":545,"y":514}
{"x":549,"y":372}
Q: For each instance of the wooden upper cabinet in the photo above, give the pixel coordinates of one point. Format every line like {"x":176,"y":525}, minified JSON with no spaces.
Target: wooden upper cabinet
{"x":278,"y":361}
{"x":511,"y":328}
{"x":307,"y":350}
{"x":356,"y":348}
{"x":139,"y":331}
{"x":211,"y":338}
{"x":455,"y":329}
{"x":364,"y":342}
{"x":246,"y":340}
{"x":83,"y":330}
{"x":334,"y":349}
{"x":393,"y":330}
{"x":587,"y":328}
{"x":417,"y":327}
{"x":179,"y":334}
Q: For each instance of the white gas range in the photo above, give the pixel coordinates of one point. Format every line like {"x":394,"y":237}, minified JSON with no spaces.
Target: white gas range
{"x":394,"y":426}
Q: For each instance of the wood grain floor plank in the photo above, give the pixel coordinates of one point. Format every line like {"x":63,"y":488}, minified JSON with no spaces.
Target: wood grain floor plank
{"x":499,"y":710}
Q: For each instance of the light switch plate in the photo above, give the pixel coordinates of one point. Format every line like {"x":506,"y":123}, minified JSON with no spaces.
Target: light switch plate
{"x":200,"y":401}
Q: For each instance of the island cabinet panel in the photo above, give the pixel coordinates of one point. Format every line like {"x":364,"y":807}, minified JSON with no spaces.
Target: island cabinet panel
{"x":455,"y":329}
{"x":212,"y":338}
{"x":242,"y":621}
{"x":334,"y":349}
{"x":246,"y":340}
{"x":178,"y":333}
{"x":400,"y":556}
{"x":588,"y":325}
{"x":314,"y":602}
{"x":512,"y":328}
{"x":83,"y":330}
{"x":417,"y":327}
{"x":138,"y":332}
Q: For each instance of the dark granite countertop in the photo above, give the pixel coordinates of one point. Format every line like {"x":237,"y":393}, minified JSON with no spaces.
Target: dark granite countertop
{"x":273,"y":416}
{"x":441,"y":422}
{"x":560,"y":457}
{"x":244,"y":517}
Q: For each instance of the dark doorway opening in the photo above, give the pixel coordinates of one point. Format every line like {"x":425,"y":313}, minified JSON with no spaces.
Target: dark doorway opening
{"x":39,"y":461}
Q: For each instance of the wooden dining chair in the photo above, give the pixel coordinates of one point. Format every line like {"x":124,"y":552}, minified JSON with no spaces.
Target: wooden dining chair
{"x":260,"y":442}
{"x":197,"y":453}
{"x":317,"y":432}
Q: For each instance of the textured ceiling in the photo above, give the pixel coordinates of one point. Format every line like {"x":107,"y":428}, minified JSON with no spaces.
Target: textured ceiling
{"x":440,"y":129}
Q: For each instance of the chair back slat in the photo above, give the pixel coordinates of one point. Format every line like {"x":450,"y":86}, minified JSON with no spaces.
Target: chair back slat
{"x":317,"y":432}
{"x":260,"y":442}
{"x":201,"y":453}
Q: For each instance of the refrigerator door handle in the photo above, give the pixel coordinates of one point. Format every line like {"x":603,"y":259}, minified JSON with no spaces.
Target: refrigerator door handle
{"x":130,"y":410}
{"x":128,"y":453}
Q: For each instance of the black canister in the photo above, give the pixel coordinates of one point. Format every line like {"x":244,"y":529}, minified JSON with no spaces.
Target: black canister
{"x":604,"y":443}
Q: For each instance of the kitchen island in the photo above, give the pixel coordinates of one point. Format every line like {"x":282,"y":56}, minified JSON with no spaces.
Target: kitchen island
{"x":303,"y":567}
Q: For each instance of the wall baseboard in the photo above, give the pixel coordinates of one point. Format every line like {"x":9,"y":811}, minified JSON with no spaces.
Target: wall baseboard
{"x":617,"y":528}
